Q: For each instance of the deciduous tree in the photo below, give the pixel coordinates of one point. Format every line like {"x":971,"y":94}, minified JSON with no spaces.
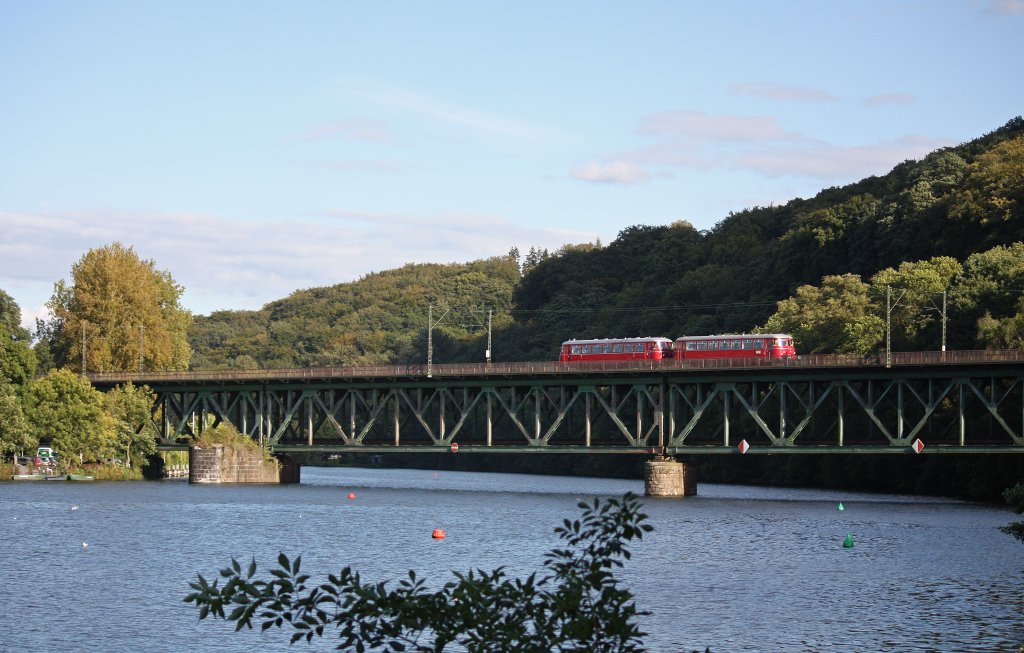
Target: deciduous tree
{"x":837,"y":317}
{"x":15,"y":432}
{"x":65,"y":409}
{"x":119,"y":309}
{"x":129,"y":408}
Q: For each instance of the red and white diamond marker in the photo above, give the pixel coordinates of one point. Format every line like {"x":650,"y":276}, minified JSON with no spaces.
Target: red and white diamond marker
{"x":743,"y":446}
{"x":917,"y":446}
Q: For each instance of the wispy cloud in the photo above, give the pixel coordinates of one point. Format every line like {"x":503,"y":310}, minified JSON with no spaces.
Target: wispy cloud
{"x":223,"y":264}
{"x":365,"y":166}
{"x":889,"y":99}
{"x":1006,"y":7}
{"x":359,"y":129}
{"x":762,"y":145}
{"x":782,"y":92}
{"x":453,"y":114}
{"x":697,"y":126}
{"x":614,"y":172}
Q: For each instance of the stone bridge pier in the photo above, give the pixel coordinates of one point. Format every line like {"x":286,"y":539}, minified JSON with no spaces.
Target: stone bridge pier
{"x":668,"y":477}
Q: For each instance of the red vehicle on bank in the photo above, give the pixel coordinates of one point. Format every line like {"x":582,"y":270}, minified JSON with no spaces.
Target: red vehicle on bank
{"x":743,"y":345}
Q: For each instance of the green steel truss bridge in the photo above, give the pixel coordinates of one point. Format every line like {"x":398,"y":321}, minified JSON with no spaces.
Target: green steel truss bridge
{"x":930,"y":402}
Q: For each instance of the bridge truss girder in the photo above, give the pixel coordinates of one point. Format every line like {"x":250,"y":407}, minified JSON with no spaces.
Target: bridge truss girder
{"x":670,"y":414}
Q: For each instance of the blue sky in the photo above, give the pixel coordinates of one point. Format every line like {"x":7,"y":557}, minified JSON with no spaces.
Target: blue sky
{"x":255,"y":148}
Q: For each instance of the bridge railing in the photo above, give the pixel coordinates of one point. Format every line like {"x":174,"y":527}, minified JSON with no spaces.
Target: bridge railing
{"x":897,"y":359}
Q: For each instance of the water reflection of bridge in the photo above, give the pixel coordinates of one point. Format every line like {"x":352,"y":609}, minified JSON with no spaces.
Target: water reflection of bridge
{"x":962,"y":402}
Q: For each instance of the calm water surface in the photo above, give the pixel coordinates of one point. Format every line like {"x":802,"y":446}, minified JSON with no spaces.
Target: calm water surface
{"x":737,"y":569}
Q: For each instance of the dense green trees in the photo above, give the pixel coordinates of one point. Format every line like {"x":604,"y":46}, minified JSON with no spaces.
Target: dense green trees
{"x":67,"y":411}
{"x":119,"y":314}
{"x":379,"y":319}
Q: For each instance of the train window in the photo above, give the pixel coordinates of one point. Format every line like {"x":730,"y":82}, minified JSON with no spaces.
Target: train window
{"x":691,"y":345}
{"x":617,"y":349}
{"x":759,"y":343}
{"x":701,"y":345}
{"x":607,"y":349}
{"x":735,"y":344}
{"x":628,"y":347}
{"x":747,"y":344}
{"x":586,"y":349}
{"x":575,"y":349}
{"x":712,"y":345}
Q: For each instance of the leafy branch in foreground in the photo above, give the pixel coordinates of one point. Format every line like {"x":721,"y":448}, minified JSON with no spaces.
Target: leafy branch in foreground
{"x":576,"y":606}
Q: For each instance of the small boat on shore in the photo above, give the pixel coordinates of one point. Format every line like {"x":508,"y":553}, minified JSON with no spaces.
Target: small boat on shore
{"x":70,"y":477}
{"x":28,"y":477}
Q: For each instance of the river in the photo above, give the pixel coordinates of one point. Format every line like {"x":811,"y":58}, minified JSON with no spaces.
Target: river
{"x":105,"y":566}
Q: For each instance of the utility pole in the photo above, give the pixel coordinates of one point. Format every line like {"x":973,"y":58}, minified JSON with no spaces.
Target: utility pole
{"x":430,"y":337}
{"x":888,"y":326}
{"x":488,"y":353}
{"x":142,"y":343}
{"x":83,"y":347}
{"x":943,"y":321}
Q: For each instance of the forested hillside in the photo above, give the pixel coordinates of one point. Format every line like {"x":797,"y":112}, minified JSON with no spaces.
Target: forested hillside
{"x":945,"y":223}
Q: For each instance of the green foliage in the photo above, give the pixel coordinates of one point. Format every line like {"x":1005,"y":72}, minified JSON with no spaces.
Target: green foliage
{"x":17,"y":360}
{"x":993,"y":190}
{"x":118,"y":308}
{"x":576,"y":606}
{"x":66,"y":411}
{"x":378,"y":320}
{"x":838,"y":317}
{"x":134,"y":434}
{"x":16,"y":434}
{"x":1015,"y":497}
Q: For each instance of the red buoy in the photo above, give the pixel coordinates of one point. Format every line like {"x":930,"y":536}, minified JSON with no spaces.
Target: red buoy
{"x":351,"y":495}
{"x":438,"y":534}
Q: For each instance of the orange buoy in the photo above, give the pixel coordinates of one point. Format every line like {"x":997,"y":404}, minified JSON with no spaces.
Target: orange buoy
{"x":438,"y":534}
{"x":351,"y":495}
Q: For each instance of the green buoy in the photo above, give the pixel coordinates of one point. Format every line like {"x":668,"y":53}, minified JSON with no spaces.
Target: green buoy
{"x":848,"y":542}
{"x":841,"y":508}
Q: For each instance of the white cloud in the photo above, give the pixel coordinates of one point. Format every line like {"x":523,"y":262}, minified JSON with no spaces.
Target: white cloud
{"x":615,"y":172}
{"x":784,"y":92}
{"x":225,"y":264}
{"x":699,"y":141}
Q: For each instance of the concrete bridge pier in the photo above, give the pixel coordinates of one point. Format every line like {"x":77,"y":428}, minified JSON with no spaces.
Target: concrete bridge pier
{"x":668,"y":477}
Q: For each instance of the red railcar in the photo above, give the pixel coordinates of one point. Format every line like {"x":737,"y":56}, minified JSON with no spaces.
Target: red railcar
{"x":743,"y":345}
{"x":616,"y":349}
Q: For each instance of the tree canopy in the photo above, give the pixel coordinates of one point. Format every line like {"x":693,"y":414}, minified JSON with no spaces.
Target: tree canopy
{"x":118,"y":314}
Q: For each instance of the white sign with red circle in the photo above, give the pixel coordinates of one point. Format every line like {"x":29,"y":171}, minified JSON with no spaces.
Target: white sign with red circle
{"x":455,"y":447}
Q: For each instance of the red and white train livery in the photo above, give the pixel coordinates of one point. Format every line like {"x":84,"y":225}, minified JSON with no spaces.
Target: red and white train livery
{"x":743,"y":345}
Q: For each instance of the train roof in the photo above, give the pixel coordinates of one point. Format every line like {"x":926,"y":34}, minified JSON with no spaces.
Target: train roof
{"x":731,"y":336}
{"x":603,"y":341}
